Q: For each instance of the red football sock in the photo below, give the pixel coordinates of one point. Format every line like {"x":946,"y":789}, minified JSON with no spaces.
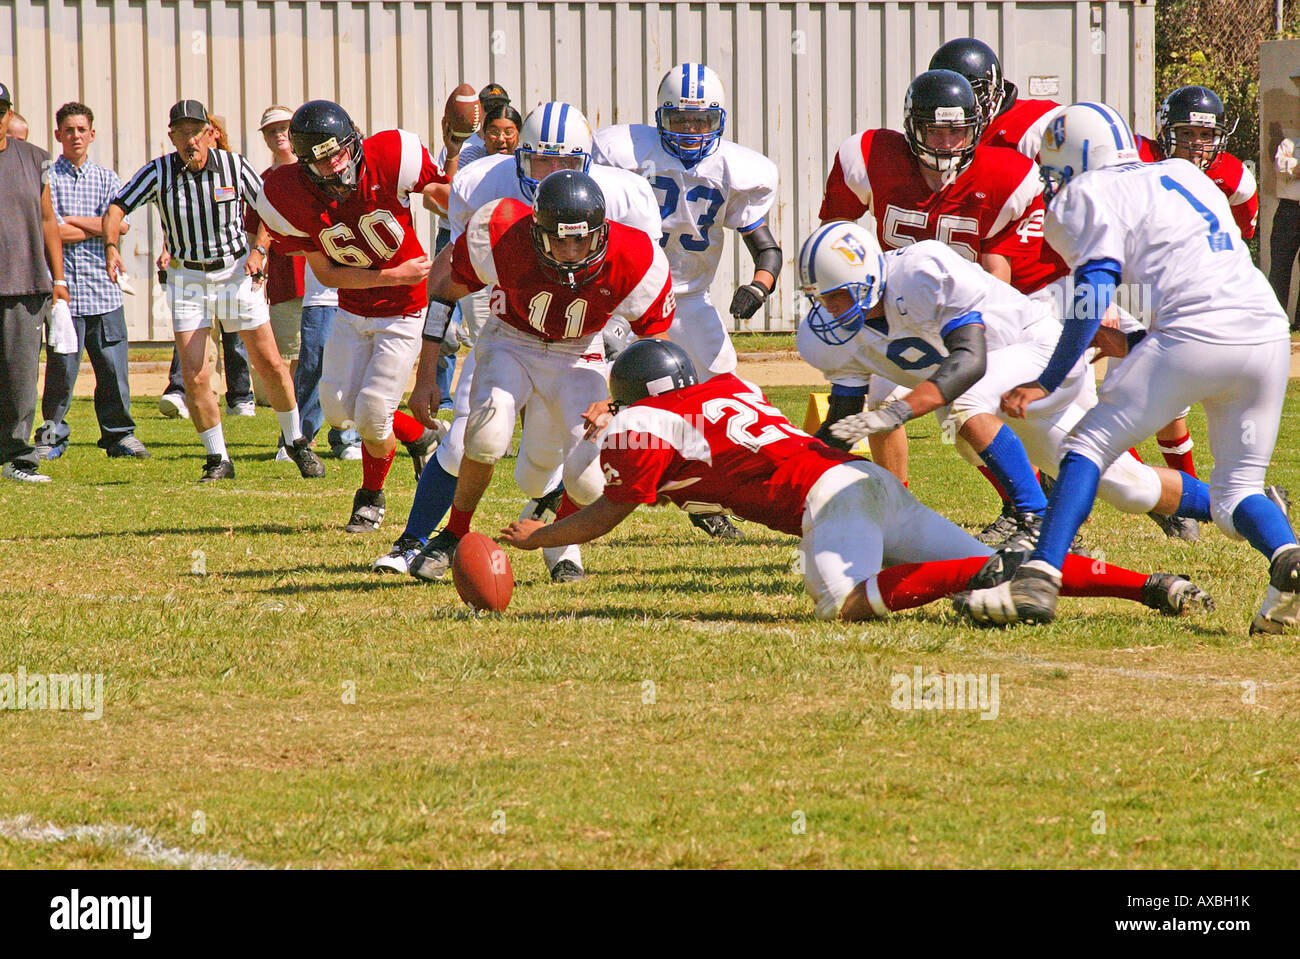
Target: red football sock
{"x":1081,"y":576}
{"x":406,"y":427}
{"x":1178,"y":453}
{"x":567,"y":506}
{"x":909,"y":585}
{"x":988,"y":475}
{"x":373,"y":469}
{"x":458,"y":522}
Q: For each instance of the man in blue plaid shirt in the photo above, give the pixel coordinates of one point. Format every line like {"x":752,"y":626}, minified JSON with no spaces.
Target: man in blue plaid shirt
{"x":81,"y":191}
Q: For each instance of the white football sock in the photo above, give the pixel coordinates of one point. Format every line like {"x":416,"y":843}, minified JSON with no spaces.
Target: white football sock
{"x":290,"y":425}
{"x":214,"y":441}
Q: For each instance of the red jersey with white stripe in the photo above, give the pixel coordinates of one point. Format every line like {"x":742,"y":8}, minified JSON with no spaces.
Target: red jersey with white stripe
{"x":1020,"y":127}
{"x":1229,"y":175}
{"x":994,"y":206}
{"x":716,"y":444}
{"x":633,"y":282}
{"x":372,"y":229}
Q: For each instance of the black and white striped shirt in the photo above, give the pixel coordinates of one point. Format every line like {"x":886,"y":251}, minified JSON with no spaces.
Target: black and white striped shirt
{"x":202,"y":213}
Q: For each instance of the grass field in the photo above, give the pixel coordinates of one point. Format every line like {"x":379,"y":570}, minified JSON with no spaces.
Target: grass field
{"x":681,"y":707}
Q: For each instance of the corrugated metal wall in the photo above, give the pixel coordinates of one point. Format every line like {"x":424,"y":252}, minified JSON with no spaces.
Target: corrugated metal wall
{"x":801,"y":76}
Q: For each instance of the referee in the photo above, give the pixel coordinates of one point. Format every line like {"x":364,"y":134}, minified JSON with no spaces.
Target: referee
{"x":200,"y":192}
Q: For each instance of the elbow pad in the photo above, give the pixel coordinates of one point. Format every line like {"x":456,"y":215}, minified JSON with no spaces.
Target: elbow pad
{"x":966,"y":362}
{"x":764,"y":249}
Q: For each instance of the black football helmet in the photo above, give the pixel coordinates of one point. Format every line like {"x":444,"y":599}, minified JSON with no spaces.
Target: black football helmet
{"x":976,"y":61}
{"x":1192,"y":107}
{"x":647,"y":368}
{"x":570,"y":203}
{"x":319,"y":129}
{"x":938,"y":100}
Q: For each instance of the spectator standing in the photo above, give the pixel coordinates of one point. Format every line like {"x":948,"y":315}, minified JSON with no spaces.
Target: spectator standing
{"x":213,"y":275}
{"x":18,"y":128}
{"x":81,"y":190}
{"x":1284,"y":241}
{"x":31,"y":234}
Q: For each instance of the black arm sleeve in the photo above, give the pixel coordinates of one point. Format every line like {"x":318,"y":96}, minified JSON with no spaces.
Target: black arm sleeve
{"x":764,"y":249}
{"x":965,"y":364}
{"x":838,"y":407}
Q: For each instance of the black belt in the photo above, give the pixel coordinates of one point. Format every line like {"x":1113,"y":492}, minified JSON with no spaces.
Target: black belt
{"x":210,"y":266}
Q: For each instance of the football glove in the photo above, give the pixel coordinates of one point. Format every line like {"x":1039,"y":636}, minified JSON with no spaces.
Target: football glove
{"x":889,"y":417}
{"x":747,"y":300}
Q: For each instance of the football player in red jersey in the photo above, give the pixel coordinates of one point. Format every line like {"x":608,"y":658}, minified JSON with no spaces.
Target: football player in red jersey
{"x":935,"y":182}
{"x":346,"y":204}
{"x":1009,"y":120}
{"x":1190,"y":125}
{"x":562,"y":270}
{"x":720,"y":445}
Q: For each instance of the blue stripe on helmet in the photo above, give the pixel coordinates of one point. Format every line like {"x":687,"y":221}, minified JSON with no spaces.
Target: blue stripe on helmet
{"x":564,"y":114}
{"x":812,"y":254}
{"x":546,"y":123}
{"x":699,"y":83}
{"x":1085,"y":156}
{"x":1110,"y":118}
{"x":686,"y":80}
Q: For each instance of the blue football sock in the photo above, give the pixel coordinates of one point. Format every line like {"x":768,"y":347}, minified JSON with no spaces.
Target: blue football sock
{"x":1070,"y":504}
{"x":433,"y":495}
{"x":1006,"y":459}
{"x":1195,"y":503}
{"x":1264,"y":525}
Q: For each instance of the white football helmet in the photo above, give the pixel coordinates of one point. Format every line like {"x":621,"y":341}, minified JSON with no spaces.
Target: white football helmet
{"x":841,"y":256}
{"x":556,"y":130}
{"x":690,"y":112}
{"x":1083,"y":137}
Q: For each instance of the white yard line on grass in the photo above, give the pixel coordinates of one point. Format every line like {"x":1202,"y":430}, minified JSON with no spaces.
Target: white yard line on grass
{"x":129,"y":840}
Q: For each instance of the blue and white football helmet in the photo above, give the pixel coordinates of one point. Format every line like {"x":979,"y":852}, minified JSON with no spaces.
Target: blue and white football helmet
{"x":556,"y":130}
{"x":1083,"y":137}
{"x":690,"y":112}
{"x":841,"y":256}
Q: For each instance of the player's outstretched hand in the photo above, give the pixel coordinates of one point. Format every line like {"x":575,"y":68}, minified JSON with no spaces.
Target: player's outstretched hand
{"x":596,"y":418}
{"x":411,"y":272}
{"x":424,"y":403}
{"x":1015,"y":401}
{"x":889,"y":417}
{"x":517,"y":534}
{"x":747,"y":300}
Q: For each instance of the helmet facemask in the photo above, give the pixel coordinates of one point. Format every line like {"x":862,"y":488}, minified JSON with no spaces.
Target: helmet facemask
{"x":690,"y":133}
{"x":839,"y":329}
{"x":954,"y":153}
{"x":338,"y":184}
{"x":571,"y":274}
{"x":556,"y":157}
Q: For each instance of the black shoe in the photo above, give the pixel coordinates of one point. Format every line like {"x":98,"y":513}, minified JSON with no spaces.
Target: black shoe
{"x":423,"y":448}
{"x":128,"y":446}
{"x":309,"y":464}
{"x":1029,"y":597}
{"x":433,"y":561}
{"x":1025,"y":536}
{"x":996,"y":532}
{"x":216,"y":468}
{"x":368,"y":509}
{"x":717,"y":525}
{"x":1281,"y":498}
{"x":544,"y":508}
{"x":1174,"y":595}
{"x":567,"y":571}
{"x":398,"y":560}
{"x":1177,"y":527}
{"x":997,"y":569}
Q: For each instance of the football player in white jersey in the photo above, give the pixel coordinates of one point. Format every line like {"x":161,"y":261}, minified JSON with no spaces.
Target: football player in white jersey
{"x":704,"y":184}
{"x":555,"y":136}
{"x":1217,"y":336}
{"x":927,"y":318}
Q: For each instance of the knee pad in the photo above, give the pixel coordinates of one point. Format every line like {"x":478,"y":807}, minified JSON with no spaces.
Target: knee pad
{"x":336,"y":412}
{"x":1130,"y":486}
{"x":584,"y":480}
{"x":374,"y":415}
{"x":489,"y":428}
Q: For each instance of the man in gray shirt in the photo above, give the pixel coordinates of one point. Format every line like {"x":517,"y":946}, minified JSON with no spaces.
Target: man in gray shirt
{"x":30,"y":254}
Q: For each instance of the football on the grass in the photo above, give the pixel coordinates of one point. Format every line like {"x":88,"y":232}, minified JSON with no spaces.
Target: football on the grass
{"x":464,"y":111}
{"x":482,"y":574}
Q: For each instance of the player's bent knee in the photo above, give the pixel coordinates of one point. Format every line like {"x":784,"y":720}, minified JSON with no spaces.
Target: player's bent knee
{"x":1223,"y":505}
{"x":489,"y":428}
{"x":584,"y":480}
{"x":1130,"y":486}
{"x":374,"y":417}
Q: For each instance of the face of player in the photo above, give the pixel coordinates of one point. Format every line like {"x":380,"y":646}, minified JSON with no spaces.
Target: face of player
{"x":540,"y":166}
{"x":501,"y":136}
{"x":570,"y":249}
{"x":836,"y":302}
{"x":190,"y":138}
{"x":946,"y":138}
{"x":1194,"y":143}
{"x":276,"y":136}
{"x":75,"y":135}
{"x":333,"y":164}
{"x":693,"y":124}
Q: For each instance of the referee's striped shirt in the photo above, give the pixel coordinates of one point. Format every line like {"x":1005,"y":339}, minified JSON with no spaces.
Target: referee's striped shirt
{"x":202,"y":216}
